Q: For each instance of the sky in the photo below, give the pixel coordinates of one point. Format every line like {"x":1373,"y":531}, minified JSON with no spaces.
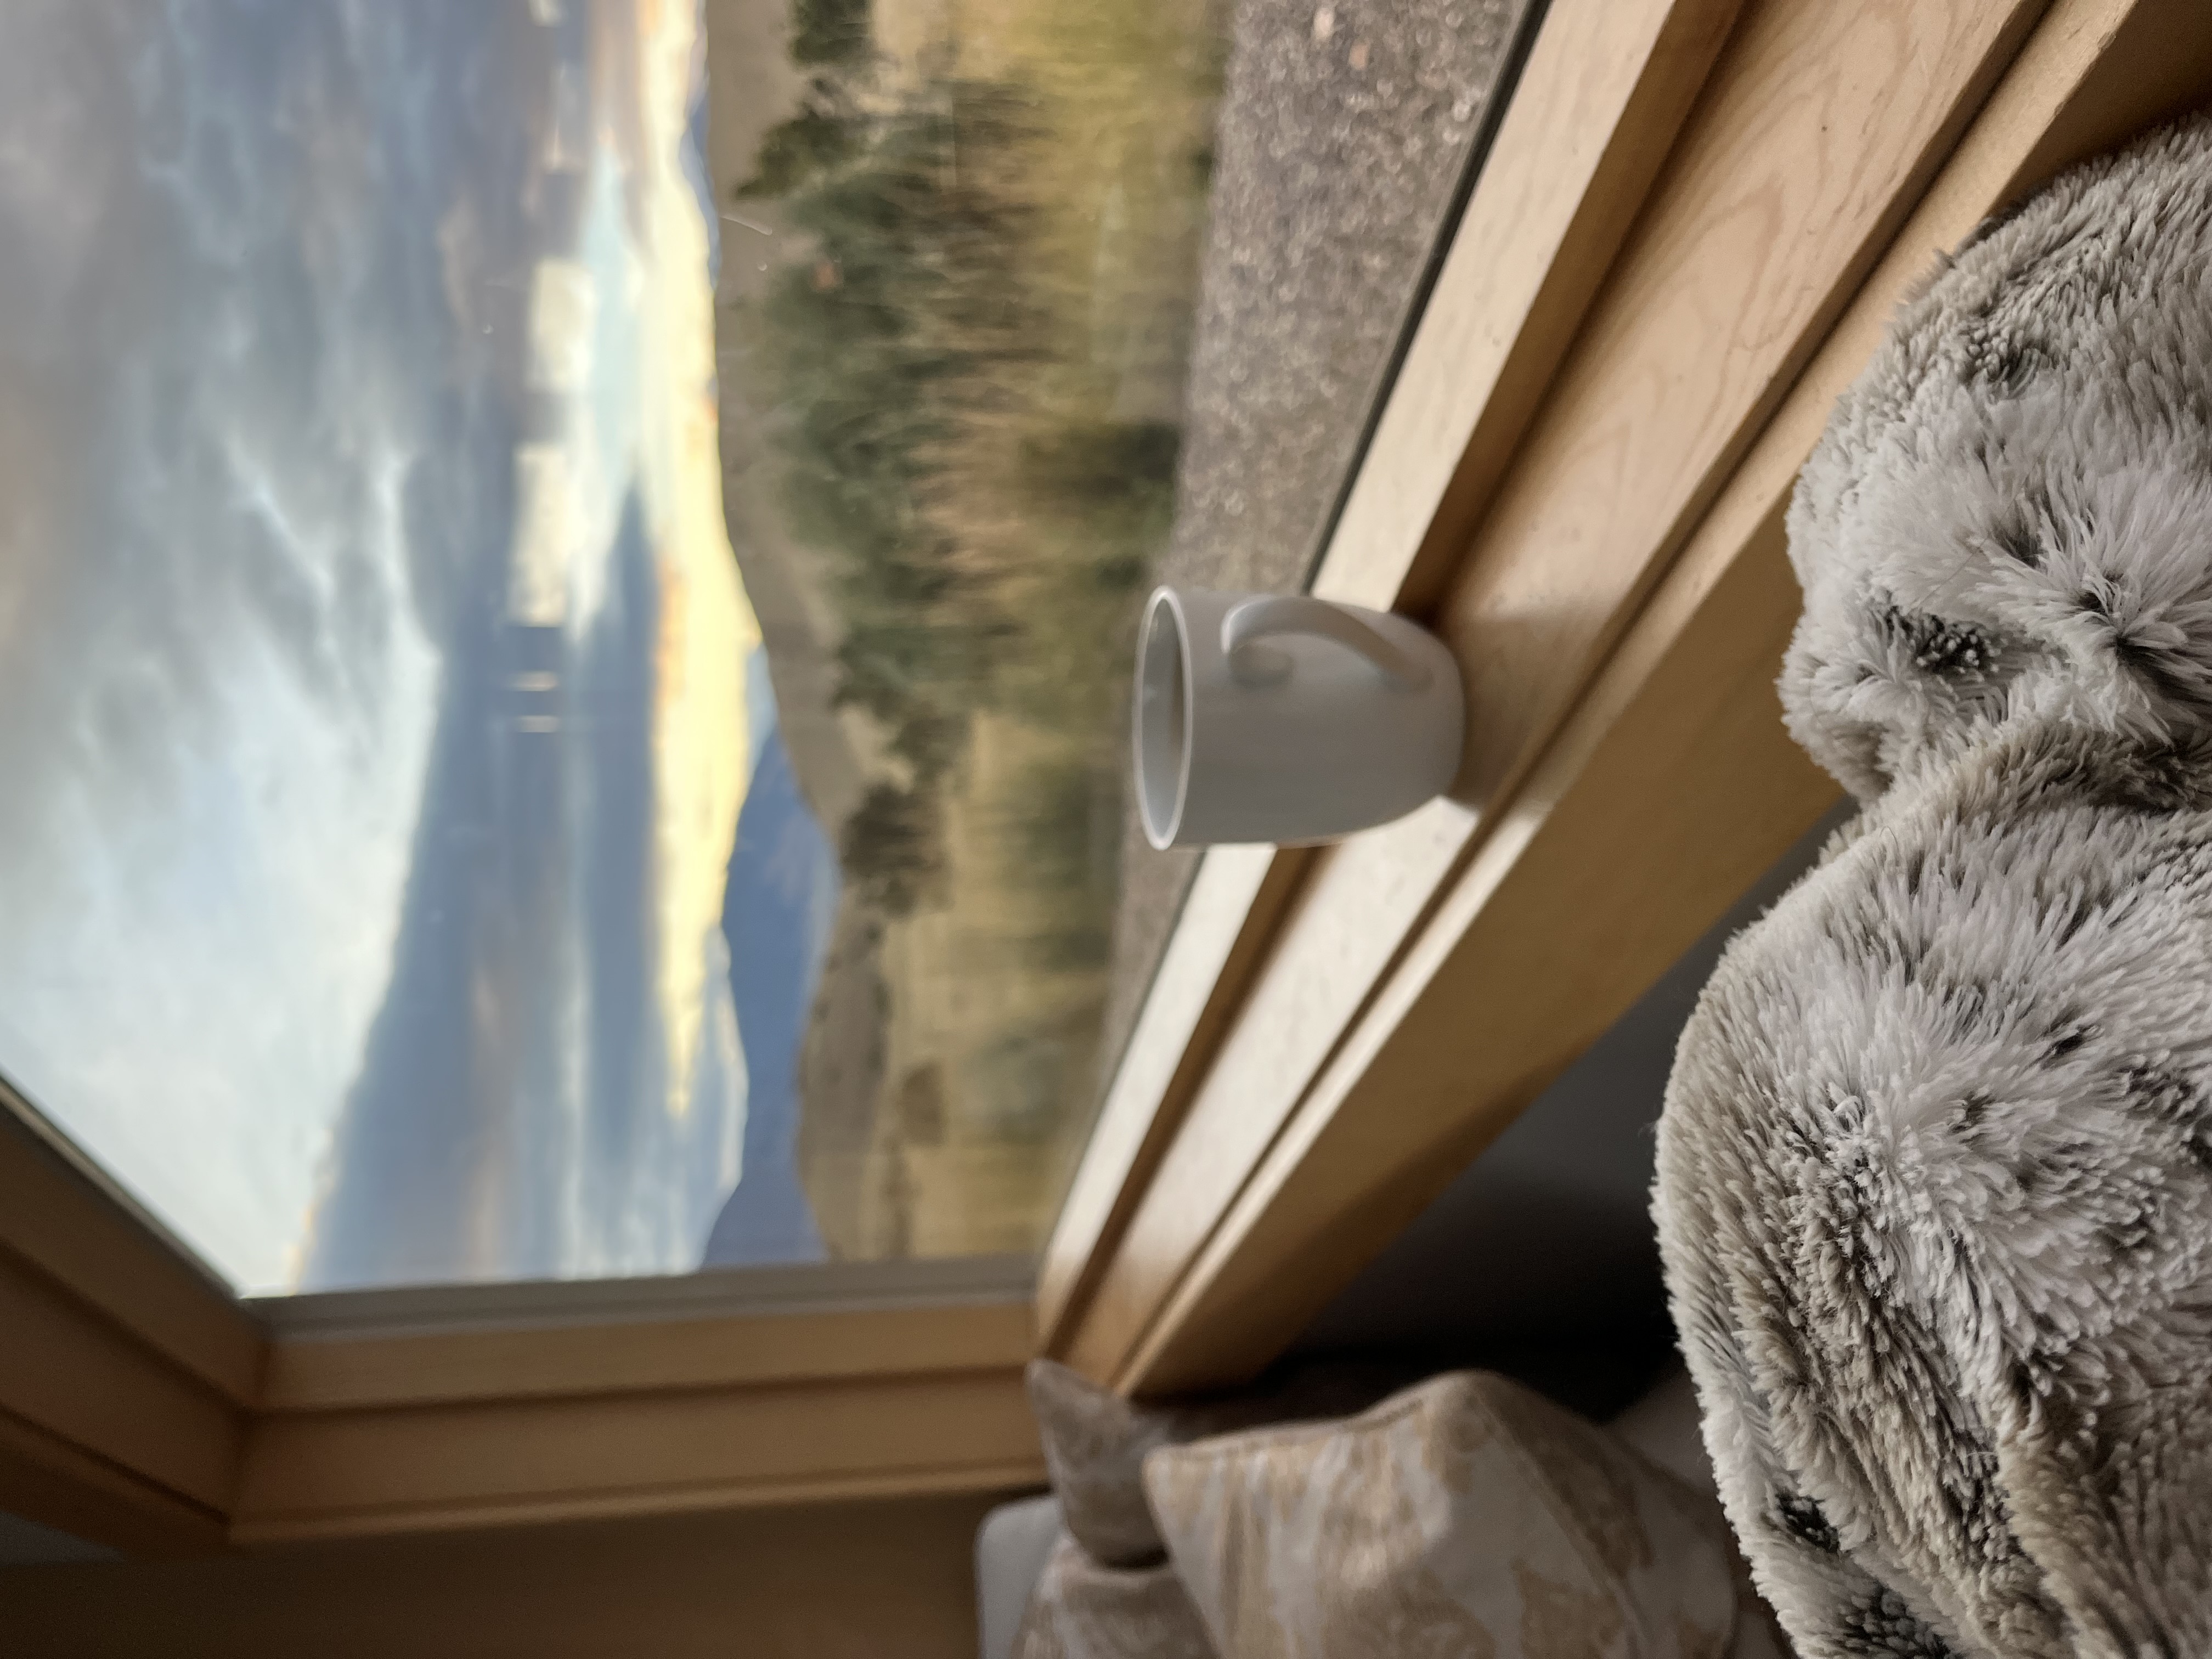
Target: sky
{"x":400,"y":875}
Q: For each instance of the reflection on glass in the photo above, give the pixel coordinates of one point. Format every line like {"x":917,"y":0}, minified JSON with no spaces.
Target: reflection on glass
{"x":438,"y":843}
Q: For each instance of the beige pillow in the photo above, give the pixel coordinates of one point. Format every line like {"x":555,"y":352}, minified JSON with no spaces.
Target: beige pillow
{"x":1467,"y":1517}
{"x":1081,"y":1610}
{"x":1095,"y":1442}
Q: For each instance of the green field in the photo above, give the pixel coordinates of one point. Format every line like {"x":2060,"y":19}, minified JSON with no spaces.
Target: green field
{"x":974,"y":347}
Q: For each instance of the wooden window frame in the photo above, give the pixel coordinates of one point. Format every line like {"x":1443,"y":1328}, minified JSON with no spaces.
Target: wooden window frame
{"x":1693,"y":219}
{"x":1693,"y":223}
{"x":144,"y":1407}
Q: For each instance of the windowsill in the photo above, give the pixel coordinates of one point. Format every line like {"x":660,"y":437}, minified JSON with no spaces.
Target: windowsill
{"x":1582,"y":483}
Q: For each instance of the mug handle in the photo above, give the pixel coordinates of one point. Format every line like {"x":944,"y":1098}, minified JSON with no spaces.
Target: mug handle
{"x":1301,"y":613}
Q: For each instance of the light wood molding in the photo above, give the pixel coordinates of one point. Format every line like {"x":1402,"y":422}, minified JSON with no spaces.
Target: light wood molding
{"x":385,"y":1432}
{"x":643,"y":1356}
{"x":311,"y":1474}
{"x":124,"y":1374}
{"x":1820,"y":127}
{"x":509,"y":1417}
{"x":1598,"y":104}
{"x":63,"y":1218}
{"x":1606,"y":85}
{"x":143,"y":1416}
{"x":46,"y":1479}
{"x":141,"y":1408}
{"x":708,"y":1293}
{"x":1631,"y":768}
{"x":1237,"y":898}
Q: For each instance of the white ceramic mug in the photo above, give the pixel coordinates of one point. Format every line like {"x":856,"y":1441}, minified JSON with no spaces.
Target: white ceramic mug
{"x":1269,"y":717}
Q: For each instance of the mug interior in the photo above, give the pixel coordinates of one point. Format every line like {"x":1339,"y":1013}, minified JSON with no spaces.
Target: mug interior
{"x":1162,"y":722}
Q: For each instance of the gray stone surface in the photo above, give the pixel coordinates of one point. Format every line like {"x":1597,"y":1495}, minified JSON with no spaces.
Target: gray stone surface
{"x":1345,"y":131}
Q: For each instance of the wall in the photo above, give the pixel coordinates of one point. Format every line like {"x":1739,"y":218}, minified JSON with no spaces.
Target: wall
{"x":887,"y":1580}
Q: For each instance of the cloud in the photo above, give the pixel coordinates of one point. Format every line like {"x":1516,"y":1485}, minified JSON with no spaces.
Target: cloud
{"x":564,"y":303}
{"x":591,"y":1115}
{"x":372,"y":658}
{"x":242,"y":478}
{"x":57,"y":162}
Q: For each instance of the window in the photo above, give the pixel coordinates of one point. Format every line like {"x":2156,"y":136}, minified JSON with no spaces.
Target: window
{"x":561,"y":640}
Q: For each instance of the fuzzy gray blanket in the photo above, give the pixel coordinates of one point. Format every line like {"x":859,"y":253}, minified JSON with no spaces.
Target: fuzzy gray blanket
{"x":1934,"y":1187}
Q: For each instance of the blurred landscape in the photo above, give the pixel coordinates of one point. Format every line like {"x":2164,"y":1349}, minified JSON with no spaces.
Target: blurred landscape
{"x":960,"y":254}
{"x":582,"y":553}
{"x":403,"y":880}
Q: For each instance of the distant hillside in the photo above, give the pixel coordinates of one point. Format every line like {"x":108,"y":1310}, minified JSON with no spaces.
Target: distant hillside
{"x":960,"y":252}
{"x":842,"y":1071}
{"x":752,"y":86}
{"x":781,"y":896}
{"x":472,"y":1145}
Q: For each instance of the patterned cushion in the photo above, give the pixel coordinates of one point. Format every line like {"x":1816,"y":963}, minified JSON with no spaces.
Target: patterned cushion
{"x":1083,"y":1611}
{"x":1095,"y":1442}
{"x":1467,"y":1517}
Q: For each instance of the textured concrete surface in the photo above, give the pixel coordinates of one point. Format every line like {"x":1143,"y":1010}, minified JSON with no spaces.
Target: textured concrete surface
{"x":1345,"y":131}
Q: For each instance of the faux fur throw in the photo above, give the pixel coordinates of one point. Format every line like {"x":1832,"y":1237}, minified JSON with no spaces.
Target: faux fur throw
{"x":1935,"y":1183}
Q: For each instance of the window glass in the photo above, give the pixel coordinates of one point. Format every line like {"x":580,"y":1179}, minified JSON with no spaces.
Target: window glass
{"x":565,"y":570}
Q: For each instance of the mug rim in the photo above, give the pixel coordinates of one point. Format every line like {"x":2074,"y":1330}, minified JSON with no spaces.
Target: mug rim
{"x":1162,"y":835}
